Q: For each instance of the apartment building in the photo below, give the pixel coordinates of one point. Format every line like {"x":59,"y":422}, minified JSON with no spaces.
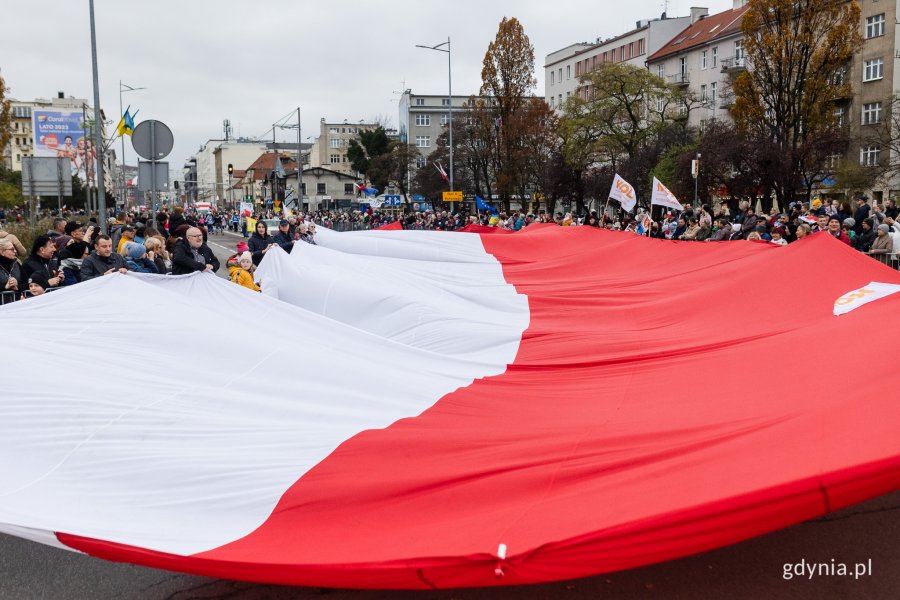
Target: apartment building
{"x":424,"y":118}
{"x":704,"y":58}
{"x":564,"y":68}
{"x":330,"y":147}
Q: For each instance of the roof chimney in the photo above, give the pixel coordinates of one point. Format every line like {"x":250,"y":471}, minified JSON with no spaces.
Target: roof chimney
{"x":738,"y":4}
{"x":698,"y":13}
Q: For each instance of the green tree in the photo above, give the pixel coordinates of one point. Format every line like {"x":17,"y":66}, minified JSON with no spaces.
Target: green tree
{"x":372,"y":144}
{"x":796,"y":51}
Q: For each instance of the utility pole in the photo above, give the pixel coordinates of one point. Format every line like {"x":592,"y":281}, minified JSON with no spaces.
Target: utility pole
{"x":98,"y":137}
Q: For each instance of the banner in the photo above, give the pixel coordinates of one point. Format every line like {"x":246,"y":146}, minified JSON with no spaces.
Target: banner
{"x":663,"y":197}
{"x":623,"y":192}
{"x":62,"y":134}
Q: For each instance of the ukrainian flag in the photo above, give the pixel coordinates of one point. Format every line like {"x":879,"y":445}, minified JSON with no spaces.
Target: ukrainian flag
{"x":126,"y":124}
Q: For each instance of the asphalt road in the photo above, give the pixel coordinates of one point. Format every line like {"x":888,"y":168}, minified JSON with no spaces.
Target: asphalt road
{"x":750,"y":570}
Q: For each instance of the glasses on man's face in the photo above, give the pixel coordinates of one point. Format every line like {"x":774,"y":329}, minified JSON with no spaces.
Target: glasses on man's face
{"x":196,"y":236}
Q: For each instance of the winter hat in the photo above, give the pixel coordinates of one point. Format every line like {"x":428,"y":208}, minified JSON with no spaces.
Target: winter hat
{"x":245,"y":256}
{"x":135,"y":251}
{"x":72,"y":226}
{"x":77,"y":249}
{"x":884,"y":227}
{"x":39,"y":278}
{"x":850,"y":222}
{"x":242,"y":247}
{"x":816,"y":203}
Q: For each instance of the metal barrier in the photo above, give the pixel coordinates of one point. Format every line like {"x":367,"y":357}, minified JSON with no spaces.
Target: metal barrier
{"x":8,"y":297}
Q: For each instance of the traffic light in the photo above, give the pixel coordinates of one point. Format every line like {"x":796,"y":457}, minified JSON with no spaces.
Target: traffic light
{"x":230,"y":169}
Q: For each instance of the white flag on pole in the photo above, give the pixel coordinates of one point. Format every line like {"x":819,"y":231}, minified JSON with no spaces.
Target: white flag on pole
{"x":623,"y":191}
{"x":663,"y":197}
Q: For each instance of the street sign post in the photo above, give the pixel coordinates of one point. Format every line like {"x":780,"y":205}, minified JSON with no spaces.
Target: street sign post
{"x":153,"y":140}
{"x":46,"y":176}
{"x":453,"y":196}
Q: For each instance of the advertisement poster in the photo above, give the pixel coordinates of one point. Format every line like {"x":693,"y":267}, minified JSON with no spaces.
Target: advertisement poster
{"x":61,"y":133}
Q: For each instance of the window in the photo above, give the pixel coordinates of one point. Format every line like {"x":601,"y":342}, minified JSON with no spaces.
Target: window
{"x":552,"y":77}
{"x":738,"y":50}
{"x":568,"y":71}
{"x":334,"y":130}
{"x":715,"y":57}
{"x":875,"y":26}
{"x":348,"y":189}
{"x":703,"y":60}
{"x":631,"y":50}
{"x":421,"y":162}
{"x":683,"y":65}
{"x":868,"y":156}
{"x":560,"y":75}
{"x":560,"y":100}
{"x":660,"y":104}
{"x":445,"y":119}
{"x":871,"y":113}
{"x":303,"y":189}
{"x":320,"y":189}
{"x":445,"y":102}
{"x":335,"y":143}
{"x":568,"y":94}
{"x":641,"y":49}
{"x":661,"y":70}
{"x":552,"y":102}
{"x":420,"y":101}
{"x":334,"y":158}
{"x":874,"y":69}
{"x":423,"y":141}
{"x":703,"y":93}
{"x":713,"y":87}
{"x":622,"y":53}
{"x":606,"y":56}
{"x":423,"y":120}
{"x":840,"y":115}
{"x":578,"y":69}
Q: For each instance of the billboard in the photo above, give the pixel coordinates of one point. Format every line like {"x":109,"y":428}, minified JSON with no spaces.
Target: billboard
{"x":62,"y":134}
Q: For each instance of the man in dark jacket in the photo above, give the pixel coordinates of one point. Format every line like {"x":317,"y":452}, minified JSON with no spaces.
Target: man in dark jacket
{"x":176,"y":219}
{"x":102,"y":261}
{"x":861,"y":214}
{"x":866,"y":238}
{"x":42,"y":252}
{"x":192,"y":255}
{"x":284,"y":238}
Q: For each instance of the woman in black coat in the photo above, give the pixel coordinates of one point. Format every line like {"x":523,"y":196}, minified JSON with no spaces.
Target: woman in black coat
{"x":260,"y":242}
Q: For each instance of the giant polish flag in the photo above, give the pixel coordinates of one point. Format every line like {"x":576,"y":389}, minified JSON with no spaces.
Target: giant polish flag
{"x":449,"y":409}
{"x":663,"y":197}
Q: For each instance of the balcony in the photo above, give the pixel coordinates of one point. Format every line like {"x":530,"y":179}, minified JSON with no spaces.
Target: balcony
{"x":726,"y":101}
{"x":680,"y":79}
{"x":734,"y":63}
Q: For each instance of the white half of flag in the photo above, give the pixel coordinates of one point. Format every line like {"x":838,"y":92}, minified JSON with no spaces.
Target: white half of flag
{"x":624,"y":192}
{"x":663,"y":197}
{"x":853,"y":300}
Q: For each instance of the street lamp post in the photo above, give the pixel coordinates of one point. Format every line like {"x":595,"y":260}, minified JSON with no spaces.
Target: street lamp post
{"x":449,"y":97}
{"x":98,"y":136}
{"x":124,"y":88}
{"x":695,"y":171}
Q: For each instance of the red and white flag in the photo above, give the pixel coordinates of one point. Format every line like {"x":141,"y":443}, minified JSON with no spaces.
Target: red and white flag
{"x":441,"y":170}
{"x":462,"y":406}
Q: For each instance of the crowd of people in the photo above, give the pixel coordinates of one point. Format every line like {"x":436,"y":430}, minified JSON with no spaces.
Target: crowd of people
{"x":74,"y":250}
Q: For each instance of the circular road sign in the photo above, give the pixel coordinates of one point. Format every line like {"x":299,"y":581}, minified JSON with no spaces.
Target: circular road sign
{"x":152,"y":140}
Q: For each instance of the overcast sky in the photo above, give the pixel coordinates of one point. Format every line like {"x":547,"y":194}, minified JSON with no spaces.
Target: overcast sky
{"x":253,"y":62}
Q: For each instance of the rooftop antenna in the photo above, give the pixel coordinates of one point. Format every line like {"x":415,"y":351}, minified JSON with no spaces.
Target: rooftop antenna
{"x":665,"y":8}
